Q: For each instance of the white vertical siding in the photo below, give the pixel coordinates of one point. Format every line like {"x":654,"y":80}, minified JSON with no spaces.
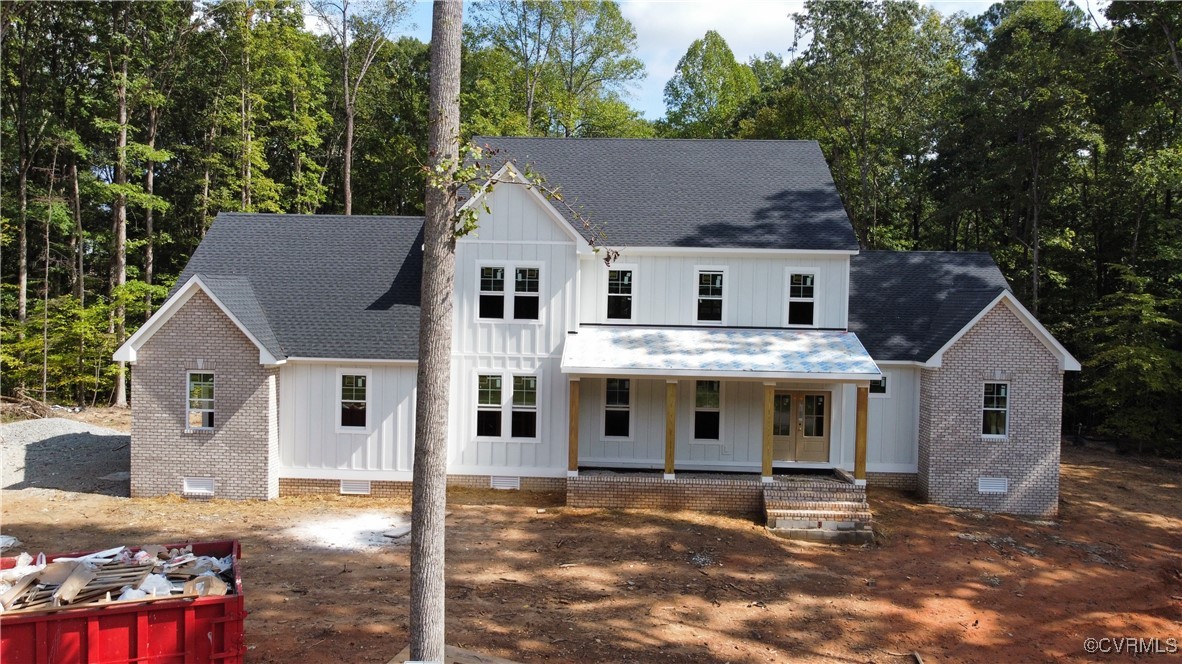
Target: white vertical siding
{"x":755,"y":289}
{"x":893,"y":432}
{"x":308,"y":438}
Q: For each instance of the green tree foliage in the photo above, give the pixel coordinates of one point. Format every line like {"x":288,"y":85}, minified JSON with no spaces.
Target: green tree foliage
{"x":707,"y":90}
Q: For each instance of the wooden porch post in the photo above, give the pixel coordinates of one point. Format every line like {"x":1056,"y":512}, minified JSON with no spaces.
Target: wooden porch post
{"x":860,"y":435}
{"x":572,"y":467}
{"x":670,"y":425}
{"x":769,"y":395}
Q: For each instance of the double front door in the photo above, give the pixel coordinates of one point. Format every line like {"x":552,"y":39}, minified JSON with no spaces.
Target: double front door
{"x":800,"y":426}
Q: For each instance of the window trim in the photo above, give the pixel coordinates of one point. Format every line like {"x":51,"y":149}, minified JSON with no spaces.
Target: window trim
{"x":341,"y":373}
{"x":816,"y":299}
{"x":698,"y":270}
{"x":607,"y":275}
{"x":631,"y":437}
{"x":506,"y":405}
{"x":510,"y":292}
{"x":720,"y":410}
{"x":1009,"y":396}
{"x":886,"y":386}
{"x":214,"y":401}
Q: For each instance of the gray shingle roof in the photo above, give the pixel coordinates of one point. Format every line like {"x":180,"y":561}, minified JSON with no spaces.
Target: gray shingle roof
{"x":318,"y":285}
{"x":691,"y":193}
{"x":905,"y":305}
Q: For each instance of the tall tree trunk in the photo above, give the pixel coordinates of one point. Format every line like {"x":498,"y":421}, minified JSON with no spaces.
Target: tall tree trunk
{"x":119,"y":221}
{"x":45,"y":284}
{"x":427,"y":590}
{"x":78,"y":257}
{"x":350,"y":111}
{"x":149,"y":221}
{"x":348,"y":168}
{"x":1035,"y":245}
{"x":22,"y":248}
{"x":203,"y":221}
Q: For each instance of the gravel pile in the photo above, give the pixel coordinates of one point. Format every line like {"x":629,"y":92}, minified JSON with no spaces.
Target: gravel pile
{"x":67,"y":455}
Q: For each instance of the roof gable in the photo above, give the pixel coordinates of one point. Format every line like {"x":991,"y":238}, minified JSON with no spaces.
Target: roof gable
{"x":739,"y":194}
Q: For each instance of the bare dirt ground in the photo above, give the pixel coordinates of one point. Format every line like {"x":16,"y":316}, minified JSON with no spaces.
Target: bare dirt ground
{"x":564,"y":585}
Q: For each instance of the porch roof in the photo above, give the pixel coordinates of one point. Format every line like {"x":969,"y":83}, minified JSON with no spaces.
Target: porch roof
{"x":720,"y":352}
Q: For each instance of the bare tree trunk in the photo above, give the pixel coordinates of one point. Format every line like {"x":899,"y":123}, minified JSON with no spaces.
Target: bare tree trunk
{"x":22,"y":258}
{"x":348,"y":168}
{"x":350,"y":112}
{"x":1035,"y":245}
{"x":78,"y":242}
{"x":119,"y":223}
{"x":149,"y":221}
{"x":205,"y":184}
{"x":45,"y":284}
{"x":427,"y":589}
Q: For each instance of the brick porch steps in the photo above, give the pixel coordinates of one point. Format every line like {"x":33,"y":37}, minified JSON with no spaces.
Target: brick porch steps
{"x":820,"y":509}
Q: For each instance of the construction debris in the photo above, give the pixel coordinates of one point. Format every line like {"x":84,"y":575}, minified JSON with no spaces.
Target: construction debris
{"x":120,"y":574}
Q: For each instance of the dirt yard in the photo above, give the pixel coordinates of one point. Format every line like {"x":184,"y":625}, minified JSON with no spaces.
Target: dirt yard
{"x":533,"y":581}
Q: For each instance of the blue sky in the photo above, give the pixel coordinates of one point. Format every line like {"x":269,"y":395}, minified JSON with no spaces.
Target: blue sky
{"x":665,"y":29}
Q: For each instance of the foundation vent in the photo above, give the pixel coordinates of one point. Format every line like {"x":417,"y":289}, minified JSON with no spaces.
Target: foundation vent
{"x":198,"y":486}
{"x":993,"y":485}
{"x":504,"y":482}
{"x":355,"y":487}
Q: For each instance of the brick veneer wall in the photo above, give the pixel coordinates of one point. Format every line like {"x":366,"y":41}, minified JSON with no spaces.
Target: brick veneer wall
{"x":952,"y":452}
{"x":900,"y":481}
{"x":653,"y":492}
{"x":242,"y":451}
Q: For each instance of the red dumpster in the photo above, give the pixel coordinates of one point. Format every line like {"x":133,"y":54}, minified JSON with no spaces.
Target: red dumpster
{"x":185,"y":631}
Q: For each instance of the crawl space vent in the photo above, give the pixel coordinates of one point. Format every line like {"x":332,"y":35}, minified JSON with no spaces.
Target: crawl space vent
{"x":354,"y":487}
{"x":504,"y":482}
{"x":198,"y":486}
{"x":993,"y":484}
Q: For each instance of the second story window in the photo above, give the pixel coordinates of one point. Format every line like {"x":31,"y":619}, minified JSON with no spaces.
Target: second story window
{"x":619,"y":294}
{"x":710,"y":296}
{"x":492,"y":292}
{"x":526,"y":281}
{"x":802,"y":298}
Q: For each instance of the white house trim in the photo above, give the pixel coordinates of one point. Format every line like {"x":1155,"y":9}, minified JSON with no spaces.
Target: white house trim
{"x":1066,"y":361}
{"x":130,"y":348}
{"x":702,"y":374}
{"x":505,"y":176}
{"x":733,"y":251}
{"x":353,"y":360}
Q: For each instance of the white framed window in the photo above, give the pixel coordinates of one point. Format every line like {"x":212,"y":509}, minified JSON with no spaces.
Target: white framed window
{"x":353,"y":399}
{"x":492,"y":292}
{"x":707,"y":410}
{"x":621,"y":292}
{"x":617,"y":408}
{"x":879,"y":389}
{"x":710,"y":295}
{"x":510,"y":291}
{"x":802,"y":298}
{"x":523,"y":419}
{"x":489,"y":405}
{"x":199,"y":401}
{"x":995,"y":411}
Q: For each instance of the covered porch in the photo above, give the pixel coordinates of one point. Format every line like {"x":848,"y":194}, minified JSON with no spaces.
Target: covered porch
{"x":734,"y":400}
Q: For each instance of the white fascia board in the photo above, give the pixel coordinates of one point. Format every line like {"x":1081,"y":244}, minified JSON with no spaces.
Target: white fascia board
{"x":733,"y":251}
{"x":351,"y":360}
{"x":709,"y":375}
{"x":1066,"y":361}
{"x":130,"y":348}
{"x":899,"y":363}
{"x":508,"y":173}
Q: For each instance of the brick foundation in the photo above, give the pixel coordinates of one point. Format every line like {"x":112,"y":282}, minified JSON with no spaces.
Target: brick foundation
{"x":952,"y":452}
{"x":241,"y":452}
{"x":652,"y":492}
{"x":402,"y":490}
{"x":899,"y":481}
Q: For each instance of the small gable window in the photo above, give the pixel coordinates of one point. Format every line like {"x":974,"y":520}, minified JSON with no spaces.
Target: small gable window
{"x":492,"y":292}
{"x":707,"y":410}
{"x":354,"y":401}
{"x":995,"y":413}
{"x":802,"y":301}
{"x":619,"y":294}
{"x":710,"y":296}
{"x":617,"y":414}
{"x":879,"y":386}
{"x":488,"y":406}
{"x":526,"y":282}
{"x":199,"y":413}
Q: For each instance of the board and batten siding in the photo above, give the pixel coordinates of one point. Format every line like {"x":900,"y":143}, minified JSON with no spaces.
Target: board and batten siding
{"x":893,"y":423}
{"x":755,"y":289}
{"x":310,"y":445}
{"x":517,"y":232}
{"x":740,"y":446}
